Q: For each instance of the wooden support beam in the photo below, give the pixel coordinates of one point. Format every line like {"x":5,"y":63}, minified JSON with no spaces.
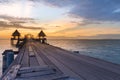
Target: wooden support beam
{"x":12,"y":73}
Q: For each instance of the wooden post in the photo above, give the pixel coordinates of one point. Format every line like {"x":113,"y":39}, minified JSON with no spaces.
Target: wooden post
{"x":12,"y":42}
{"x":43,"y":41}
{"x":8,"y":58}
{"x":4,"y":66}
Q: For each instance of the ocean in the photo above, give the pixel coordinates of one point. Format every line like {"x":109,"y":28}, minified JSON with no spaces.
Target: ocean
{"x":108,"y":50}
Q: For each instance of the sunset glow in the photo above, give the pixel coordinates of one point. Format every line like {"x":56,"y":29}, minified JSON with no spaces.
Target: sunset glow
{"x":60,"y":19}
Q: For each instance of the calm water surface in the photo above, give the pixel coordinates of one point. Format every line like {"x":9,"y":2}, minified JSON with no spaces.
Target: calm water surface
{"x":108,"y":50}
{"x":4,"y":44}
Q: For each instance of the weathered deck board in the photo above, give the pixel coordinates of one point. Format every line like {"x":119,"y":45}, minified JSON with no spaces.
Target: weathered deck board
{"x":95,"y":61}
{"x":38,"y":57}
{"x":61,"y":66}
{"x":84,"y":68}
{"x":46,"y":62}
{"x":12,"y":73}
{"x":32,"y":57}
{"x":25,"y":59}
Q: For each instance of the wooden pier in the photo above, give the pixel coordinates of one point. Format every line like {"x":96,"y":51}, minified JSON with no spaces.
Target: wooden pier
{"x":37,"y":60}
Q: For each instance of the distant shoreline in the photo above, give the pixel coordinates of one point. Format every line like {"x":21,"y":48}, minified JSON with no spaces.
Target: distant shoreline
{"x":73,"y":39}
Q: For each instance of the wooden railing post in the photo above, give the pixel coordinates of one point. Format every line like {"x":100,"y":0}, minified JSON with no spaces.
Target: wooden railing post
{"x":8,"y":58}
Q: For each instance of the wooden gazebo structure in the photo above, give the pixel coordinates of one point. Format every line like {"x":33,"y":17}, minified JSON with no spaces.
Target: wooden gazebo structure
{"x":42,"y":36}
{"x":15,"y":36}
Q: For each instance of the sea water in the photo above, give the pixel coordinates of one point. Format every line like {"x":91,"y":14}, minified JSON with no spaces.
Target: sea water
{"x":108,"y":50}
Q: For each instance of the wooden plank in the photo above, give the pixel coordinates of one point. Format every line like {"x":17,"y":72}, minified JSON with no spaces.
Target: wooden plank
{"x":82,"y":68}
{"x":11,"y":74}
{"x":31,"y":53}
{"x":95,"y":61}
{"x":25,"y":60}
{"x":47,"y":77}
{"x":38,"y":73}
{"x":39,"y":59}
{"x":33,"y":61}
{"x":20,"y":55}
{"x":34,"y":69}
{"x":46,"y":60}
{"x":63,"y":68}
{"x":32,"y":57}
{"x":30,"y":48}
{"x":100,"y":63}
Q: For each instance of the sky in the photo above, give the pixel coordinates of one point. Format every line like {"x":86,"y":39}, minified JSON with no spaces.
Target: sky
{"x":76,"y":19}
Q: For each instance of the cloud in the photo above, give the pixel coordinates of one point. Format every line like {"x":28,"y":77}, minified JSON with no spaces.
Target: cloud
{"x":97,"y":10}
{"x":17,"y":19}
{"x":100,"y":10}
{"x":7,"y":22}
{"x":4,"y":1}
{"x":85,"y":22}
{"x":57,"y":3}
{"x":6,"y":25}
{"x":101,"y":36}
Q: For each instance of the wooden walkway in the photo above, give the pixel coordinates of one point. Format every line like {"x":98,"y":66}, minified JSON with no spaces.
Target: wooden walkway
{"x":37,"y":61}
